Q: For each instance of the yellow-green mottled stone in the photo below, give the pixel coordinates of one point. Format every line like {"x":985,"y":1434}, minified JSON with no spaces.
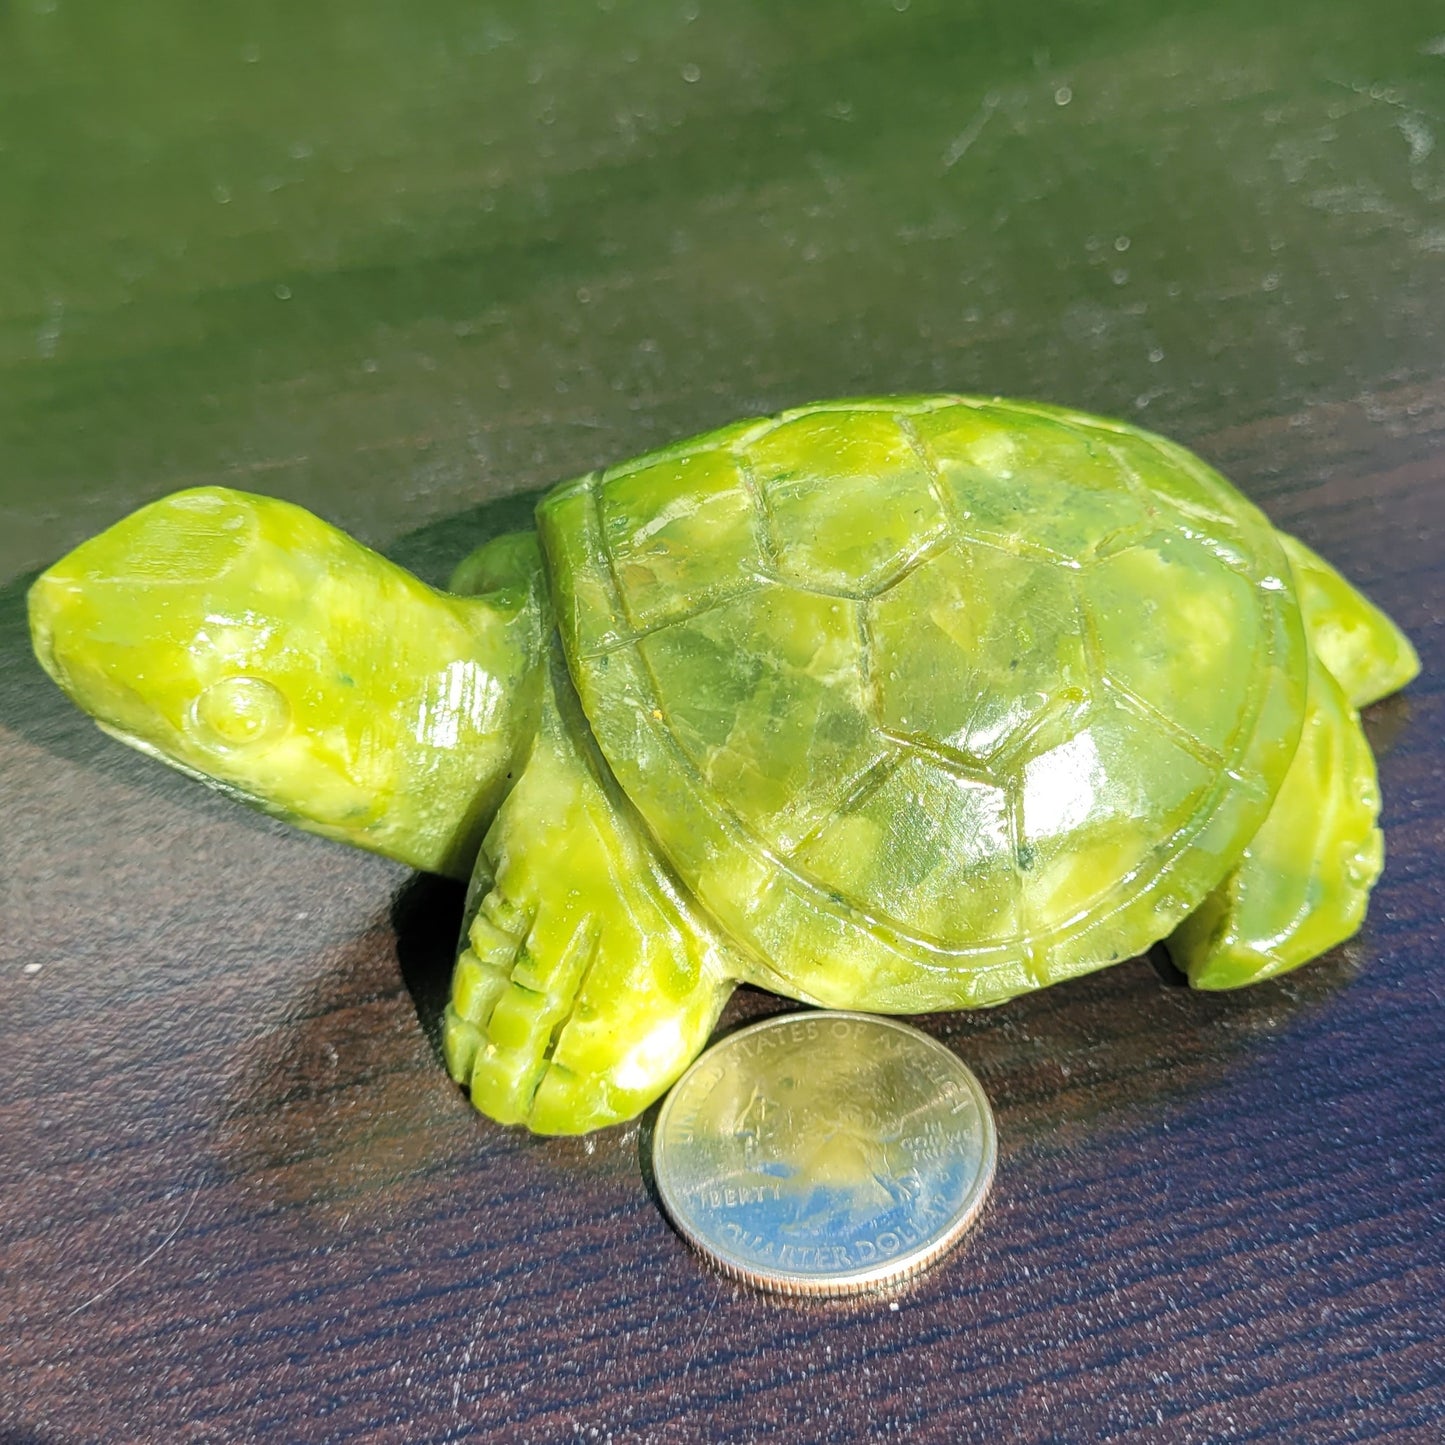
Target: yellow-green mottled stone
{"x":247,"y":642}
{"x":1304,"y":880}
{"x":1363,"y":649}
{"x":1305,"y":877}
{"x":897,"y":704}
{"x":1004,"y":695}
{"x":588,"y":980}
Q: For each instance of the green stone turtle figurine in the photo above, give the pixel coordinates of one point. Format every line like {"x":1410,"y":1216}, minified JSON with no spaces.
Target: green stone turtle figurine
{"x":901,"y":704}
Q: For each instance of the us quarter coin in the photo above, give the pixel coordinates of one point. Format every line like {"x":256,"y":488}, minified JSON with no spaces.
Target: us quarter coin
{"x":824,"y":1153}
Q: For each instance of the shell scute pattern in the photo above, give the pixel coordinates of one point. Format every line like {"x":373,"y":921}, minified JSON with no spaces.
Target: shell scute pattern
{"x":782,"y":728}
{"x":1171,"y":622}
{"x":681,"y":535}
{"x":1054,"y":489}
{"x":950,"y":679}
{"x":849,"y":502}
{"x":1003,"y":629}
{"x":925,"y":844}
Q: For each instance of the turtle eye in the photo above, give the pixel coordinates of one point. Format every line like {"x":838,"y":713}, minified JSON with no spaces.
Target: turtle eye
{"x":238,"y":712}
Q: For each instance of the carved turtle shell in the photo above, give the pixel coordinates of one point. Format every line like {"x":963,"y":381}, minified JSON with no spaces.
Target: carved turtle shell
{"x":932,"y":701}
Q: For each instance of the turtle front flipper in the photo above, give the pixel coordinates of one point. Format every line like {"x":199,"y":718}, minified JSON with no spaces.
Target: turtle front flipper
{"x":1305,"y":878}
{"x":587,"y":980}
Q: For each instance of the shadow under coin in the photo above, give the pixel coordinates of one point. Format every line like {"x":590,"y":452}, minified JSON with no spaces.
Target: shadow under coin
{"x":1069,"y":1063}
{"x":1097,"y":1052}
{"x":1100,"y":1051}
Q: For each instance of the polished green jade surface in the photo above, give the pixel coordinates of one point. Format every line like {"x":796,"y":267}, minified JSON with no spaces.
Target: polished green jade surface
{"x":407,"y":265}
{"x":588,"y":979}
{"x":1362,"y":648}
{"x":245,"y":641}
{"x":1305,"y":877}
{"x":901,"y":703}
{"x":965,"y":698}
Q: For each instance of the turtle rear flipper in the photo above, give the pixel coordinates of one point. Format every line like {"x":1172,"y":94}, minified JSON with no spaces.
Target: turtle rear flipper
{"x":1304,"y":881}
{"x":1305,"y":878}
{"x":587,"y":982}
{"x":1367,"y":654}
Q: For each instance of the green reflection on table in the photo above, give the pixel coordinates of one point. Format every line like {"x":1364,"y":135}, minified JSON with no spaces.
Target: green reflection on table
{"x":390,"y":260}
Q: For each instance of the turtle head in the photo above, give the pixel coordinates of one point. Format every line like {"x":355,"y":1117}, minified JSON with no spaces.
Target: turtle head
{"x":245,"y":641}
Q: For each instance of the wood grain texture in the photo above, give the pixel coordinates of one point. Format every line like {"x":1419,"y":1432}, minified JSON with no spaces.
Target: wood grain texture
{"x":239,"y":1199}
